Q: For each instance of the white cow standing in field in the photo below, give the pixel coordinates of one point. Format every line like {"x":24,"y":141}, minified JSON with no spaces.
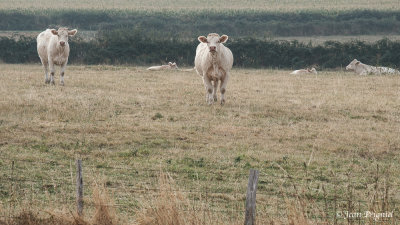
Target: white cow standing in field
{"x":53,"y":49}
{"x":364,"y":69}
{"x":213,"y":62}
{"x":164,"y":67}
{"x":305,"y":71}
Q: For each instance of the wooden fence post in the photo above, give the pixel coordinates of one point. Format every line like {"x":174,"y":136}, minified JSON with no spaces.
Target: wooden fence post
{"x":250,"y":217}
{"x":79,"y":187}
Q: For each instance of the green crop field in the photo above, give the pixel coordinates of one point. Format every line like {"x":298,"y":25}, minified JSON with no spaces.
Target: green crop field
{"x":157,"y":5}
{"x":333,"y":134}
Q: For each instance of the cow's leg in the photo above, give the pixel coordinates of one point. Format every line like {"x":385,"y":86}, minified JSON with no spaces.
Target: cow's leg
{"x":46,"y":71}
{"x":215,"y":89}
{"x":62,"y":74}
{"x":209,"y":88}
{"x":224,"y":82}
{"x":52,"y":71}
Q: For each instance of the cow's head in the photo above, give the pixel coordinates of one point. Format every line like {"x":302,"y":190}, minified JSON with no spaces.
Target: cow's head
{"x":173,"y":65}
{"x":313,"y":70}
{"x":353,"y":65}
{"x":213,"y":41}
{"x":63,"y":34}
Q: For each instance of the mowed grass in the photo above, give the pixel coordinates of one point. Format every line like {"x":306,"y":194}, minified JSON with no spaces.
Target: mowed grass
{"x":157,"y":5}
{"x":333,"y":129}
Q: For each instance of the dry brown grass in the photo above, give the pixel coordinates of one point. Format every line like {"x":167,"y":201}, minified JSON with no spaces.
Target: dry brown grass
{"x":157,"y":5}
{"x":103,"y":214}
{"x":335,"y":123}
{"x":172,"y":206}
{"x":168,"y":207}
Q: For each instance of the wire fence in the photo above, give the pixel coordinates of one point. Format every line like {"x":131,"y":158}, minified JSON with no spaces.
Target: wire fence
{"x":42,"y":184}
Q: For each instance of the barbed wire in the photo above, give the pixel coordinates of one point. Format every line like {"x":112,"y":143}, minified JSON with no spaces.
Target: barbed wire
{"x":233,"y":194}
{"x":57,"y":181}
{"x":132,"y":188}
{"x":138,"y":171}
{"x":286,"y":175}
{"x":216,"y":195}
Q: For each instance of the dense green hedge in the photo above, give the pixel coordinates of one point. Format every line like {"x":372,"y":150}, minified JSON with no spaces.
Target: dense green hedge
{"x":120,"y":47}
{"x":192,"y":24}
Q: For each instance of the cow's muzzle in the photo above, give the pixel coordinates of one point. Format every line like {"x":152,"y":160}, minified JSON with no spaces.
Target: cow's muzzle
{"x":62,"y":43}
{"x":213,"y":49}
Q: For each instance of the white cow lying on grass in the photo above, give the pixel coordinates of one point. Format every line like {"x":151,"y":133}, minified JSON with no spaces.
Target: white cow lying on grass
{"x":213,"y":62}
{"x":53,"y":49}
{"x":188,"y":70}
{"x":164,"y":67}
{"x":364,"y":69}
{"x":305,"y":71}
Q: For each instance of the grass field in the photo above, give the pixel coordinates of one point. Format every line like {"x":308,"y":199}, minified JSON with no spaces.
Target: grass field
{"x":332,"y":129}
{"x":269,"y":5}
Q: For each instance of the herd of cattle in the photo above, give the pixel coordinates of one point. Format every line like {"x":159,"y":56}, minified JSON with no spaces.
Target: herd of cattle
{"x":213,"y":60}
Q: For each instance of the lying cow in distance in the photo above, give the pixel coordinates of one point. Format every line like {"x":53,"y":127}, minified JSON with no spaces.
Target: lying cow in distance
{"x":188,"y":70}
{"x":305,"y":71}
{"x":164,"y":67}
{"x":213,"y":62}
{"x":364,"y":69}
{"x":53,"y":49}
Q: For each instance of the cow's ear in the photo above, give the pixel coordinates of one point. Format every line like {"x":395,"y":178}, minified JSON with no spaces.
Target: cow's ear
{"x":53,"y":31}
{"x":202,"y":39}
{"x":170,"y":63}
{"x":358,"y":62}
{"x":72,"y":32}
{"x":223,"y":38}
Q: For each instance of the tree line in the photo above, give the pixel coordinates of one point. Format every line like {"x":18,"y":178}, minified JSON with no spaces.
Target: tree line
{"x":183,"y":24}
{"x":121,"y":47}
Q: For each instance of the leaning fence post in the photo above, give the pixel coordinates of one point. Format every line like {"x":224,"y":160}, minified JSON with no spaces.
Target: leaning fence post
{"x":79,"y":187}
{"x":250,"y":217}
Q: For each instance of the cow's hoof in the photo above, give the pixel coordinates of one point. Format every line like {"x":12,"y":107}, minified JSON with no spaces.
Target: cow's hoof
{"x":223,"y":102}
{"x":47,"y":81}
{"x":215,"y":98}
{"x":53,"y":83}
{"x":62,"y":83}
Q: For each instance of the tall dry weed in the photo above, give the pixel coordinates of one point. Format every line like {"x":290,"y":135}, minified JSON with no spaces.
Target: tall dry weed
{"x":104,"y":214}
{"x":169,"y":207}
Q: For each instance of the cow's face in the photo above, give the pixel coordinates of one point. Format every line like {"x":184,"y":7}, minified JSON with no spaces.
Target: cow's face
{"x":173,"y":65}
{"x":62,"y":34}
{"x":213,"y":41}
{"x":353,"y":65}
